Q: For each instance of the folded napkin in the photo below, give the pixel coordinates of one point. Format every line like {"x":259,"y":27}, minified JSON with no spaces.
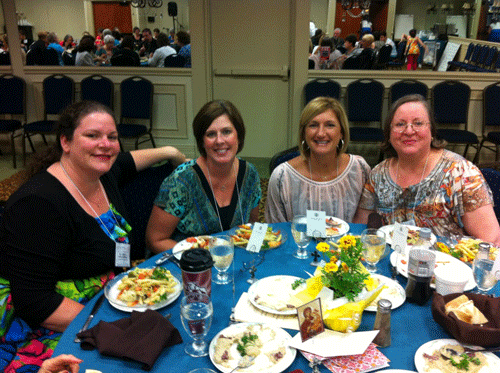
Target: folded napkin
{"x":140,"y":337}
{"x":371,"y":359}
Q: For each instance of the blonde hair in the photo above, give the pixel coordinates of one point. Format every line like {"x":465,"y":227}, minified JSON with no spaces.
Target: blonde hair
{"x":316,"y":107}
{"x":368,"y":38}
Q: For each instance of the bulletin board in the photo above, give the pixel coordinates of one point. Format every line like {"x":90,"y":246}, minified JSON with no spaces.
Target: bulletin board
{"x":402,"y":25}
{"x":449,"y":53}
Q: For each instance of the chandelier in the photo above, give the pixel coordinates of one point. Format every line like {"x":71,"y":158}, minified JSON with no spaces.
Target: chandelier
{"x":348,"y":5}
{"x":143,"y":3}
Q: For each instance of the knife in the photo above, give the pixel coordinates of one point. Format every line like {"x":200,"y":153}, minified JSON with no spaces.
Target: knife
{"x":91,"y":316}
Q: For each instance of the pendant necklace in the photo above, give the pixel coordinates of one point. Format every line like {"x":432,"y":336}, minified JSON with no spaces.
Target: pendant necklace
{"x":418,"y":189}
{"x":215,"y":200}
{"x":323,"y":177}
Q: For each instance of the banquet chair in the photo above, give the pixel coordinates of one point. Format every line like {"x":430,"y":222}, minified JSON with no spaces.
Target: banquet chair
{"x":491,"y":119}
{"x":493,"y":179}
{"x":321,"y":87}
{"x":383,"y":57}
{"x":468,"y":54}
{"x":407,"y":87}
{"x":283,"y":156}
{"x":98,"y":88}
{"x":58,"y":92}
{"x":174,"y":60}
{"x":450,"y":102}
{"x":12,"y":108}
{"x":136,"y":102}
{"x":364,"y":105}
{"x":399,"y":61}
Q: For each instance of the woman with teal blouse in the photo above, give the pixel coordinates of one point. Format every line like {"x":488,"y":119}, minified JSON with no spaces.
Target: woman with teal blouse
{"x":212,"y":193}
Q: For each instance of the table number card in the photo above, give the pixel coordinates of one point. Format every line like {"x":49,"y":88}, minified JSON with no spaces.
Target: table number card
{"x":316,"y":223}
{"x":399,"y":238}
{"x":257,"y":237}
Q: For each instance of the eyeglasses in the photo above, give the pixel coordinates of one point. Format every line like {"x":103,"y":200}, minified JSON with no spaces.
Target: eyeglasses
{"x":415,"y":126}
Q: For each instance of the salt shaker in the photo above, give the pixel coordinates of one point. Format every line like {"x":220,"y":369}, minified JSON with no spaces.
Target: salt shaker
{"x":483,"y":251}
{"x":383,"y":323}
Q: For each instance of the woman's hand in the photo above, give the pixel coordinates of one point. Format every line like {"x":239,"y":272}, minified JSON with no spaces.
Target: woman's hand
{"x":60,"y":364}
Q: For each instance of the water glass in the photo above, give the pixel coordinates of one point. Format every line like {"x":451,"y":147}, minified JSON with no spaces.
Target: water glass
{"x":222,"y":251}
{"x":373,"y":241}
{"x":484,"y":275}
{"x":196,"y":319}
{"x":299,"y":233}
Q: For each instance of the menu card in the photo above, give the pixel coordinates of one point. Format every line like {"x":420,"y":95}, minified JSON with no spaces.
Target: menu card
{"x":371,"y":359}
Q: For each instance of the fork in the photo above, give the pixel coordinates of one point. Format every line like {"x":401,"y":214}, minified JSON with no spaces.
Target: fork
{"x":244,"y":362}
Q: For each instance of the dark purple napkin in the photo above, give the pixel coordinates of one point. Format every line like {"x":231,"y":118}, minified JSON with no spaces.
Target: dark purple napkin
{"x":374,"y":221}
{"x":140,"y":337}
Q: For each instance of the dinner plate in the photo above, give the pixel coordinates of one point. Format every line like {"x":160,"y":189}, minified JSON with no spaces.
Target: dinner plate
{"x":343,"y":229}
{"x":182,"y":246}
{"x":262,"y":363}
{"x":441,"y":260}
{"x":111,"y":292}
{"x":387,"y":229}
{"x":284,"y":237}
{"x":431,"y":346}
{"x":396,"y":371}
{"x":274,"y":290}
{"x":393,"y":292}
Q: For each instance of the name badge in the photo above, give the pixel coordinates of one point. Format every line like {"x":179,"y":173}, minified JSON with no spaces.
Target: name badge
{"x":122,"y":254}
{"x":399,"y":238}
{"x":316,"y":223}
{"x":257,"y":237}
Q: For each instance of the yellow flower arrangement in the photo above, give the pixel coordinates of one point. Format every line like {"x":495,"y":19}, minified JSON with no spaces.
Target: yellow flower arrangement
{"x":343,"y":271}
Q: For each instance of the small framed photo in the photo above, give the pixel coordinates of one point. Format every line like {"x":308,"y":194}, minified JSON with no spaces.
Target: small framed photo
{"x":310,"y":319}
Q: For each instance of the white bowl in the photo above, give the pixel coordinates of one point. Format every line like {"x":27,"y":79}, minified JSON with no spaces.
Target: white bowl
{"x":449,"y":280}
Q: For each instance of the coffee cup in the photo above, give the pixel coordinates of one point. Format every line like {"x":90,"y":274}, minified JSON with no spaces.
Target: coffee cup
{"x":196,"y":266}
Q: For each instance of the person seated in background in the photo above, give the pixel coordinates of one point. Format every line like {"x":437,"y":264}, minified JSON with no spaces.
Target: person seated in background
{"x":125,"y":55}
{"x":351,"y":50}
{"x":23,"y":39}
{"x":99,"y":39}
{"x":337,"y":40}
{"x":367,"y":55}
{"x":424,"y":184}
{"x":53,"y":41}
{"x":148,"y":45}
{"x":107,"y":50}
{"x":117,"y":35}
{"x":136,"y":34}
{"x":210,"y":194}
{"x":183,"y":40}
{"x":156,"y":32}
{"x":386,"y":40}
{"x":164,"y":50}
{"x":323,"y":177}
{"x":325,"y":55}
{"x":51,"y":266}
{"x":85,"y":53}
{"x":171,"y":36}
{"x":68,"y":43}
{"x":378,"y":43}
{"x":37,"y":49}
{"x":317,"y":35}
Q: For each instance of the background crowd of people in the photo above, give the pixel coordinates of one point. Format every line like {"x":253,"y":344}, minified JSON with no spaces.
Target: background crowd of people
{"x":100,"y":49}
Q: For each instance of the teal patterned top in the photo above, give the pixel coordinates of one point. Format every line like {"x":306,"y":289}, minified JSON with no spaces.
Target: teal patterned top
{"x":183,"y":195}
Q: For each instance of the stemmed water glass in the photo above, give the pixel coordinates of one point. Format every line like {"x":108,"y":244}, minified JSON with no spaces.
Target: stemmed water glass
{"x":299,"y":233}
{"x":222,"y":251}
{"x":196,"y":319}
{"x":483,"y":275}
{"x":373,"y":241}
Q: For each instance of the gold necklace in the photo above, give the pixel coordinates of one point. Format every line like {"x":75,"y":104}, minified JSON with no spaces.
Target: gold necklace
{"x":327,"y":176}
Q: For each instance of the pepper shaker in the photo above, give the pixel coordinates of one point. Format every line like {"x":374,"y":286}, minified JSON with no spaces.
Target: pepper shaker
{"x":383,"y":323}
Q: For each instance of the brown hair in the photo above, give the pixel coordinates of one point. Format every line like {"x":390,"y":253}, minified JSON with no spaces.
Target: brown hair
{"x":316,"y":107}
{"x":386,"y":145}
{"x":211,"y":111}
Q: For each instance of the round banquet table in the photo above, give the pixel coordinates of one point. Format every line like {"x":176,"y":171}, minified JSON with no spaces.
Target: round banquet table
{"x":412,"y":325}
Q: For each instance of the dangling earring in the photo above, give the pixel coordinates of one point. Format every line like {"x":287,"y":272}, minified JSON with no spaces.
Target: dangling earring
{"x":304,"y":145}
{"x":340,"y":145}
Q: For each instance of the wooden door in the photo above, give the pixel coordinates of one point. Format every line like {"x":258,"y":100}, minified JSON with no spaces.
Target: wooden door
{"x":111,"y":15}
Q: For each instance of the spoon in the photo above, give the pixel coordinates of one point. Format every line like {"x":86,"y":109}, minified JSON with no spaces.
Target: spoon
{"x":244,"y":362}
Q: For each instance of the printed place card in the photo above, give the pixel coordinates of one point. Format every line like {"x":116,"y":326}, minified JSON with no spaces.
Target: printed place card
{"x":399,"y":238}
{"x":257,"y":237}
{"x":316,"y":223}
